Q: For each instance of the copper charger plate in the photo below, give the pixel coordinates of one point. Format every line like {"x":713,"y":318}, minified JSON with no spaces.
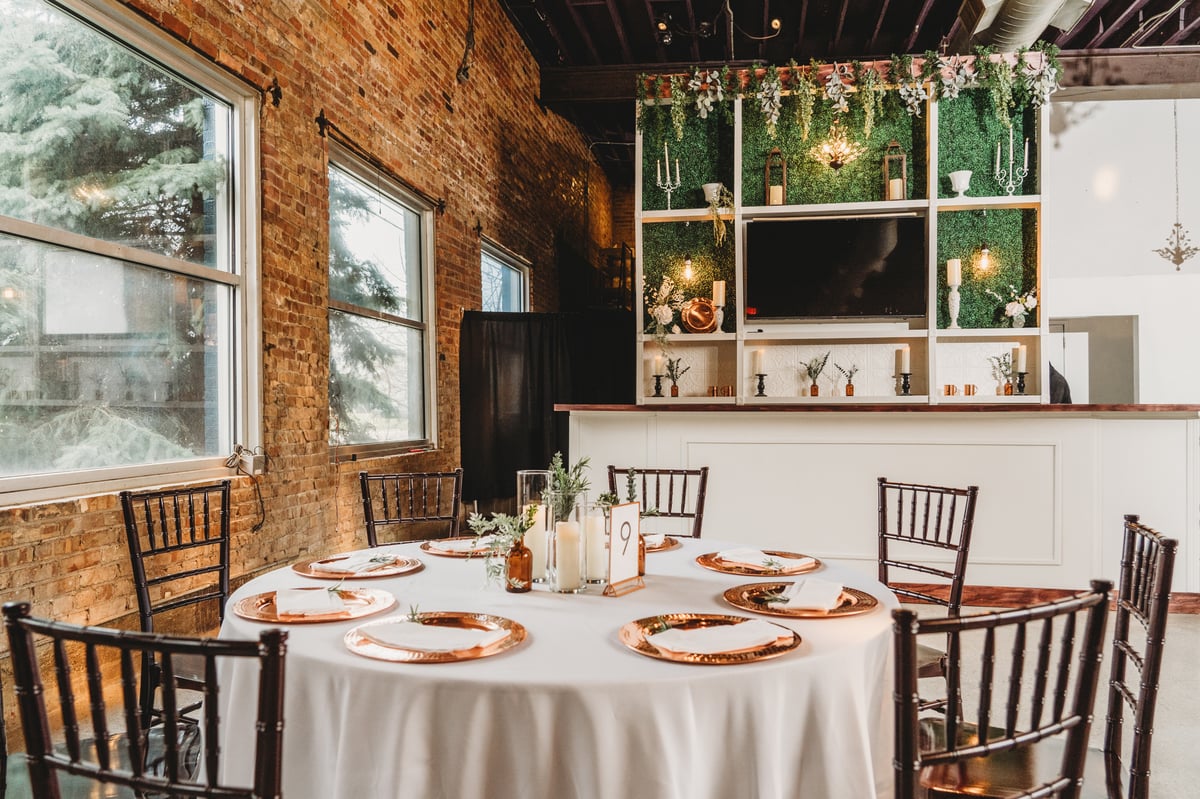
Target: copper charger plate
{"x":359,"y":602}
{"x":698,"y":315}
{"x":427,"y":546}
{"x":709,"y":560}
{"x":668,"y":543}
{"x":399,"y":566}
{"x":633,"y":635}
{"x":359,"y":644}
{"x":749,"y":597}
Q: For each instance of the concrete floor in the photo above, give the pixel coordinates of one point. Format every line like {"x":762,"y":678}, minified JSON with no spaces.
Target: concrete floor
{"x":1175,"y":759}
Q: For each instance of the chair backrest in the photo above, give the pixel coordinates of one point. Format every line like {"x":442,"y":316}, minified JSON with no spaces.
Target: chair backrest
{"x":934,"y":519}
{"x":179,"y":548}
{"x":118,"y":747}
{"x":1033,"y":696}
{"x":1147,"y":568}
{"x":669,"y":493}
{"x":411,"y":498}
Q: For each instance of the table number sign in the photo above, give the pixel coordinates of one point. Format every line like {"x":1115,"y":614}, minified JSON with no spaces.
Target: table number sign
{"x":623,"y":550}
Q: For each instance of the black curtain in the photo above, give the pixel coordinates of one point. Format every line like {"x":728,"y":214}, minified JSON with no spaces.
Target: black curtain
{"x":514,"y":367}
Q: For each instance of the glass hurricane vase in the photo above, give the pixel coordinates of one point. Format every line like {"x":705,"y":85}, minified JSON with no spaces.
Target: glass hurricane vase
{"x":566,"y":550}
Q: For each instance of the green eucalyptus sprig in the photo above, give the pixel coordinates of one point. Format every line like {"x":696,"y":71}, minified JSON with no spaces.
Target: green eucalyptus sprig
{"x":414,"y":613}
{"x":816,"y":366}
{"x":847,"y":372}
{"x":505,"y":531}
{"x":673,"y":370}
{"x":566,"y":485}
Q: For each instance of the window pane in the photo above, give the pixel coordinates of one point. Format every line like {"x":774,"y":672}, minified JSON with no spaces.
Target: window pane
{"x":105,"y":363}
{"x":376,"y":381}
{"x":503,"y":285}
{"x":95,"y":140}
{"x":374,"y":249}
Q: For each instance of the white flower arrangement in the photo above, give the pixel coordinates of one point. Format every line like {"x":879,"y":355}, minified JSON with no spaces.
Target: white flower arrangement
{"x":956,"y":74}
{"x":1018,"y":303}
{"x":770,"y":100}
{"x":662,"y":304}
{"x":836,"y":87}
{"x":707,"y":86}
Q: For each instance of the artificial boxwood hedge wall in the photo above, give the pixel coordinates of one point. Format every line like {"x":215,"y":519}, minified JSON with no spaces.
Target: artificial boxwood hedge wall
{"x":1012,"y":242}
{"x":705,"y":155}
{"x":666,"y":244}
{"x":968,"y":132}
{"x":812,"y":182}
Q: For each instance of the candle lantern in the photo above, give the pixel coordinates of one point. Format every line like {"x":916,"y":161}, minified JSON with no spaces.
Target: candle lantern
{"x":775,"y":186}
{"x":895,"y":172}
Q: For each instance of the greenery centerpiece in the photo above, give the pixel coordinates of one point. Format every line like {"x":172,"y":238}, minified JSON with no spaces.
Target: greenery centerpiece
{"x":674,"y":373}
{"x":505,"y":531}
{"x":566,"y":485}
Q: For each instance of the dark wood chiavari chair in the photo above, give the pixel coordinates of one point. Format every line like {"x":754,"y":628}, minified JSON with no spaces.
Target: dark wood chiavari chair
{"x":1147,"y":567}
{"x":117,"y":753}
{"x":933,"y":521}
{"x":1051,"y":677}
{"x":411,"y":498}
{"x":666,"y":493}
{"x":179,"y":550}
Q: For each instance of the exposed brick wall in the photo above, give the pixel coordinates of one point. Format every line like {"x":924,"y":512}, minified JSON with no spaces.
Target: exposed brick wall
{"x":384,"y":74}
{"x":622,"y":215}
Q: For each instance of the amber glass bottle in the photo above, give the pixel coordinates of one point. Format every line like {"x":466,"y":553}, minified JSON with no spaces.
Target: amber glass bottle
{"x":641,"y":556}
{"x":518,"y":576}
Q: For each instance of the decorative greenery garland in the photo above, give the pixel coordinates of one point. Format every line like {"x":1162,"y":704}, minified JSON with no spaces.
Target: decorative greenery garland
{"x":1013,"y":84}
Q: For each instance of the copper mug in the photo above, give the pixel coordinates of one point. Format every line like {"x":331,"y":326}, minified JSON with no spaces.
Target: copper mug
{"x":969,"y":389}
{"x":950,"y":389}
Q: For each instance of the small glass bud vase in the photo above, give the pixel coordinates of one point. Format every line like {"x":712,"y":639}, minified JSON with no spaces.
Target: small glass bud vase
{"x":641,"y":555}
{"x":814,"y":390}
{"x":849,"y":389}
{"x":566,"y":553}
{"x":595,"y":542}
{"x":518,"y":563}
{"x":531,"y":485}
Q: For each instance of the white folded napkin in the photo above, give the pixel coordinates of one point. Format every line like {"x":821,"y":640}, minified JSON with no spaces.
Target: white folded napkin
{"x":431,"y":637}
{"x":307,"y":602}
{"x":462,"y":544}
{"x":354,"y":564}
{"x":718,"y":638}
{"x":759,"y":559}
{"x":812,"y":593}
{"x":655,"y":539}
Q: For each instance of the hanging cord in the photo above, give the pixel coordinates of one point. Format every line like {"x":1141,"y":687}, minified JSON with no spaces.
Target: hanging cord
{"x":234,"y":461}
{"x":464,"y":67}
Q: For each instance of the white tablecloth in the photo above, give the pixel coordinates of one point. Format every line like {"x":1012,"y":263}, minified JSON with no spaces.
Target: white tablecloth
{"x":572,"y":713}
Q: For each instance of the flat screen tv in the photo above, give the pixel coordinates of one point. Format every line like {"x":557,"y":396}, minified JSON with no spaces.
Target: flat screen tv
{"x":834,"y":268}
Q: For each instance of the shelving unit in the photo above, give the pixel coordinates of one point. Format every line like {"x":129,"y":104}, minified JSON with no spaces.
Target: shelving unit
{"x":940,"y":356}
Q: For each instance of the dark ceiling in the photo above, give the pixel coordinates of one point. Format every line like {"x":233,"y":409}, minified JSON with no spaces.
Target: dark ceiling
{"x":590,"y":51}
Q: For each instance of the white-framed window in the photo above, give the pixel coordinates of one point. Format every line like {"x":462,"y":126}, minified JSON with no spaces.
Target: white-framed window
{"x":505,"y":279}
{"x":128,"y":257}
{"x":381,"y":333}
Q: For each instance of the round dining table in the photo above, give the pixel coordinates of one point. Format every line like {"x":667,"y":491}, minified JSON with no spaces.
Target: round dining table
{"x":572,"y":712}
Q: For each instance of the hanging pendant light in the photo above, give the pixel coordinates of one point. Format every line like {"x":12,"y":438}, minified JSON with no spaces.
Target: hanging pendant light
{"x":1179,"y":247}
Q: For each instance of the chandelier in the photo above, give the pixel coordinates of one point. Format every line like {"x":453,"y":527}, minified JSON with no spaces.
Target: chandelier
{"x":1179,"y":247}
{"x":837,"y":151}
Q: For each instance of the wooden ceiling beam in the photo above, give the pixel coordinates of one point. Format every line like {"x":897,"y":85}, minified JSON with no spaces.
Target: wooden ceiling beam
{"x":1098,"y":40}
{"x":691,"y":14}
{"x":837,"y":34}
{"x":563,"y":85}
{"x":878,"y":24}
{"x":1083,"y":23}
{"x":615,"y":15}
{"x":653,"y":18}
{"x":1183,"y":32}
{"x":912,"y":37}
{"x":583,"y":32}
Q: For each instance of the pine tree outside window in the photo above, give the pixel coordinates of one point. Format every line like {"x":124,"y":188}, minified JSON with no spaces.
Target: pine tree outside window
{"x":380,"y":293}
{"x":505,"y":280}
{"x":127,"y":278}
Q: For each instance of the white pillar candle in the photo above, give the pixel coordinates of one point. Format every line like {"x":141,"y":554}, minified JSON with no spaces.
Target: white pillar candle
{"x":658,"y":364}
{"x":905,"y":361}
{"x":776,"y":196}
{"x":594,"y":541}
{"x":535,"y":539}
{"x":757,"y":360}
{"x":566,"y":556}
{"x":896,"y":189}
{"x":718,"y":296}
{"x":954,"y":272}
{"x":1018,"y":358}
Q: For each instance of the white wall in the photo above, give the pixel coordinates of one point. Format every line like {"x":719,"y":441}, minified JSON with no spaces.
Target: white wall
{"x":1108,"y":197}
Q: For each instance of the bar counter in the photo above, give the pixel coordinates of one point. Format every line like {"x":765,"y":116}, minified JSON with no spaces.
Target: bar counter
{"x":1055,"y":480}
